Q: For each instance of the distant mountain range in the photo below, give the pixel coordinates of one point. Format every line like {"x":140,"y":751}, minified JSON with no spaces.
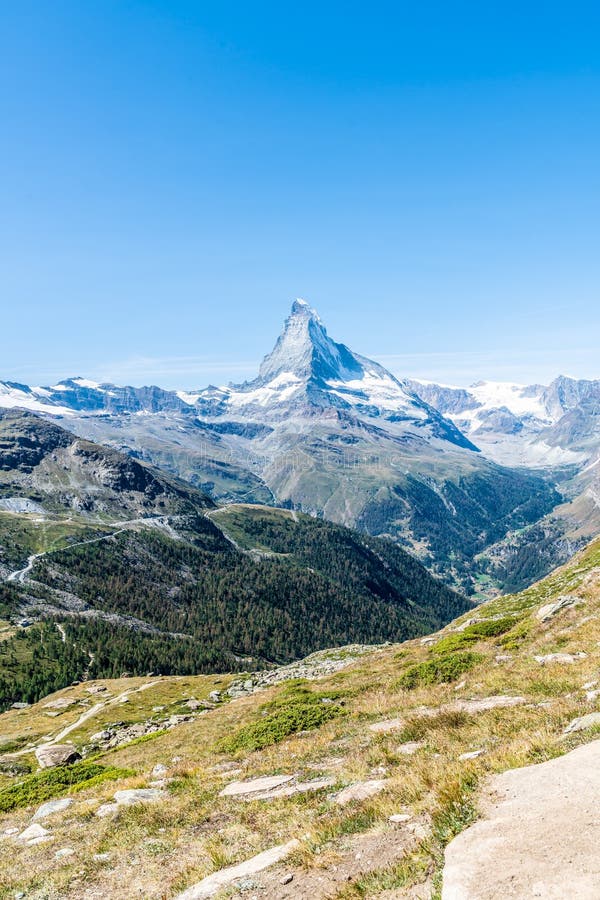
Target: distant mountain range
{"x":489,"y":486}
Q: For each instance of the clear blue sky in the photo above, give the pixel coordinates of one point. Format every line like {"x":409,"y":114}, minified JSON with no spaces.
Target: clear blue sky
{"x":174,"y":173}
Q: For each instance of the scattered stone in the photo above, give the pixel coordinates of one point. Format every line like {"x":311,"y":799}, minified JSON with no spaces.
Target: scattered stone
{"x":460,"y":686}
{"x":287,"y":879}
{"x":66,"y":851}
{"x":559,"y":658}
{"x":419,"y":830}
{"x":386,"y":726}
{"x":101,"y":736}
{"x":300,"y":787}
{"x":138,"y":795}
{"x":20,"y":705}
{"x":410,"y":747}
{"x":35,"y":833}
{"x":60,"y":703}
{"x":549,"y":610}
{"x":209,"y":886}
{"x":215,"y":696}
{"x":52,"y":807}
{"x":107,"y":809}
{"x":486,"y":703}
{"x":194,"y":704}
{"x":503,"y":657}
{"x":101,"y":857}
{"x":360,"y":791}
{"x":590,"y":696}
{"x":256,"y":785}
{"x":97,"y":689}
{"x":583,"y":722}
{"x":400,"y":818}
{"x":159,"y":771}
{"x":473,"y":754}
{"x":50,"y":755}
{"x":589,"y":685}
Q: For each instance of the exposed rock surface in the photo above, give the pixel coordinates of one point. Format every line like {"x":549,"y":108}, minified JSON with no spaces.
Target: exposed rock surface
{"x":538,"y":837}
{"x":583,"y":722}
{"x":360,"y":791}
{"x":255,"y":785}
{"x":549,"y":610}
{"x":51,"y":807}
{"x":49,"y":755}
{"x":209,"y":886}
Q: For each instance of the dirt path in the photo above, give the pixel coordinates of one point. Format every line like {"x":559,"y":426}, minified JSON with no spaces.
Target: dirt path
{"x":20,"y":575}
{"x":539,"y":835}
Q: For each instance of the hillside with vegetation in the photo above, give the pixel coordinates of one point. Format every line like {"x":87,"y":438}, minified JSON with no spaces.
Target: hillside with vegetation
{"x":109,"y":566}
{"x":371,"y":758}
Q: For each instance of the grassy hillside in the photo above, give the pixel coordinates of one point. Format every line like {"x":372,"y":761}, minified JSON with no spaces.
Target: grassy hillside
{"x":421,"y":722}
{"x":143,"y":600}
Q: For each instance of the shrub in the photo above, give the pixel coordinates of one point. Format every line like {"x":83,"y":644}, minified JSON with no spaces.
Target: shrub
{"x":295,"y":709}
{"x":476,"y":632}
{"x":434,"y":671}
{"x":52,"y":783}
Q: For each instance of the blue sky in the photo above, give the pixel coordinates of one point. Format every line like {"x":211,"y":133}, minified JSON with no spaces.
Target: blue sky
{"x":174,"y":173}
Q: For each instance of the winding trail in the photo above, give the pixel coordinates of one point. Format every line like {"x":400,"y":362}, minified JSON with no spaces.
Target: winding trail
{"x":20,"y":576}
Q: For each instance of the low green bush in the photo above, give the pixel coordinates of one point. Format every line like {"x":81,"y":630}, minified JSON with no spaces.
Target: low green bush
{"x":441,"y":669}
{"x":50,"y":783}
{"x":295,"y":709}
{"x":478,"y":631}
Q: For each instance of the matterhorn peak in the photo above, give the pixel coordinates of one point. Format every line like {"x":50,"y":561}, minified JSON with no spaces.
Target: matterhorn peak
{"x":305,"y":350}
{"x":301,"y":307}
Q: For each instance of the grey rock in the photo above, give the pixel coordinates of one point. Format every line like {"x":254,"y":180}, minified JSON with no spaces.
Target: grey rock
{"x":583,"y":722}
{"x":107,"y":809}
{"x":34,"y":833}
{"x":360,"y":791}
{"x":255,"y":785}
{"x":138,"y":795}
{"x":549,"y":610}
{"x":210,"y":885}
{"x":50,"y":755}
{"x":52,"y":807}
{"x":559,"y":658}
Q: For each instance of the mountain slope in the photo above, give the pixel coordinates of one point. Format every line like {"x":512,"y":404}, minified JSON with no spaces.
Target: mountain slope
{"x":142,"y":571}
{"x":406,"y":731}
{"x":326,"y":431}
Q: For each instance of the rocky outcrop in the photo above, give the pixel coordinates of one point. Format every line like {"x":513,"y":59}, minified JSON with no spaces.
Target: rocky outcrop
{"x":49,"y":755}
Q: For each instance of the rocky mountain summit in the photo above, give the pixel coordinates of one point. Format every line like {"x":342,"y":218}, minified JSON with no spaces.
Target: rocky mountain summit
{"x":328,"y":432}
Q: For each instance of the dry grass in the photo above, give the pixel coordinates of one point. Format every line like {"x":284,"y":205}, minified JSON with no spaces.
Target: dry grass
{"x":158,"y":849}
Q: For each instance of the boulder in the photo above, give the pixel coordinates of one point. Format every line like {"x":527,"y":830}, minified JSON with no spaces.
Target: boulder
{"x":52,"y":807}
{"x":583,"y":722}
{"x":49,"y":755}
{"x":559,"y":658}
{"x":210,"y":885}
{"x":549,"y":610}
{"x":34,"y":833}
{"x":138,"y":795}
{"x":385,"y":727}
{"x":360,"y":791}
{"x":255,"y":786}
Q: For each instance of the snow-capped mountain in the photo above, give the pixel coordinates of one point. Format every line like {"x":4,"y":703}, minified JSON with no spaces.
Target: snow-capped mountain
{"x":323,"y":429}
{"x":530,"y":425}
